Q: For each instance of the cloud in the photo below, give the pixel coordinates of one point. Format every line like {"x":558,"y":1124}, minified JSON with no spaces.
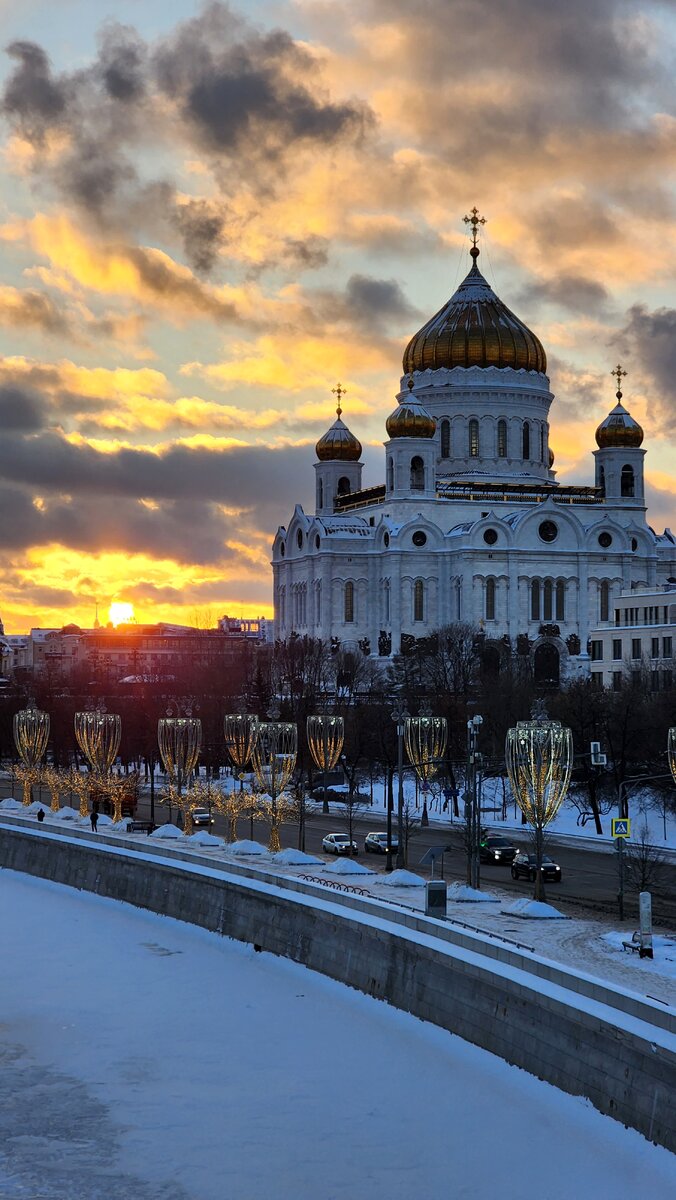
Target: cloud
{"x":573,"y":292}
{"x":21,"y":411}
{"x":376,"y":303}
{"x":649,"y":340}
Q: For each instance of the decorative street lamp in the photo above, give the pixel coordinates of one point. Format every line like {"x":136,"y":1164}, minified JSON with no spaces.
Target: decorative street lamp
{"x":473,"y":803}
{"x":240,"y":730}
{"x":325,"y":737}
{"x":179,"y":740}
{"x":425,"y":738}
{"x":400,"y":715}
{"x":274,"y":758}
{"x":671,"y":751}
{"x":98,"y":736}
{"x":31,"y":733}
{"x":539,"y":757}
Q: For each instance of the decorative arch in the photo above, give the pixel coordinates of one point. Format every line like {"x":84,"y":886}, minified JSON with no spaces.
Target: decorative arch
{"x":547,"y":665}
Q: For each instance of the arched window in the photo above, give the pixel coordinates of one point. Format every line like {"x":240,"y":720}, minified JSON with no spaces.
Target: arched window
{"x":282,"y":606}
{"x":349,"y":601}
{"x":418,"y":600}
{"x":390,"y":475}
{"x":318,"y":601}
{"x":473,"y":429}
{"x":547,"y":597}
{"x":602,"y":480}
{"x":502,"y":439}
{"x":445,"y":439}
{"x":543,"y":448}
{"x":320,"y":493}
{"x":386,"y":601}
{"x":604,"y":601}
{"x":627,"y":481}
{"x":535,"y":600}
{"x":490,"y":599}
{"x":417,"y":474}
{"x":525,"y":440}
{"x":343,"y":485}
{"x":560,"y":600}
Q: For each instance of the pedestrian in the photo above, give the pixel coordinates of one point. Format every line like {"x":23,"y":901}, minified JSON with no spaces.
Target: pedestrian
{"x":94,"y":815}
{"x":41,"y":814}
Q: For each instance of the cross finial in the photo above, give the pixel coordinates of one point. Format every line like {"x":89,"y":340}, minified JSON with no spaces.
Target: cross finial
{"x":475,"y":221}
{"x":339,"y":391}
{"x":619,"y":373}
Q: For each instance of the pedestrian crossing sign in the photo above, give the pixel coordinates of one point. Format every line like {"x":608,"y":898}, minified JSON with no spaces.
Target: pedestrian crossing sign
{"x":620,"y":827}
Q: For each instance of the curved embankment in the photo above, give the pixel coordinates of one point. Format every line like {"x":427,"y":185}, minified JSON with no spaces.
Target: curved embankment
{"x":610,"y":1046}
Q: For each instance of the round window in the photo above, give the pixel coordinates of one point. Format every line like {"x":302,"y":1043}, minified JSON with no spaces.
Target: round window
{"x":317,"y":542}
{"x":299,"y":539}
{"x":634,"y":544}
{"x":605,"y":540}
{"x":490,"y":536}
{"x":419,"y":538}
{"x":548,"y":531}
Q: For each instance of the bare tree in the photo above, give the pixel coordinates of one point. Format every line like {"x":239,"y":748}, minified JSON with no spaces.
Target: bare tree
{"x":643,"y":863}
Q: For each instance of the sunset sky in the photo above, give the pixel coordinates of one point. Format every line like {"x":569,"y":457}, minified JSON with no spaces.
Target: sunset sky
{"x":210,"y":214}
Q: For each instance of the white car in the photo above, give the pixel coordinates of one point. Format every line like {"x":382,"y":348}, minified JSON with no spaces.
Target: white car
{"x":338,"y":843}
{"x":201,"y":818}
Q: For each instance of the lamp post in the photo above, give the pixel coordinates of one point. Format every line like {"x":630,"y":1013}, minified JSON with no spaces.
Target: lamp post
{"x":98,"y":735}
{"x":472,"y":806}
{"x":325,"y":737}
{"x":425,"y":737}
{"x":239,"y":730}
{"x":31,"y":733}
{"x":273,"y":758}
{"x":179,"y":740}
{"x":539,"y":758}
{"x":400,"y":715}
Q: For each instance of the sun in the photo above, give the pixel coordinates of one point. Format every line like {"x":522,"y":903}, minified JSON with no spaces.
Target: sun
{"x":121,"y":612}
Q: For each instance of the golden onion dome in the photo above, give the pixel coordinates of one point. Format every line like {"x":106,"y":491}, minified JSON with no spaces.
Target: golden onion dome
{"x":338,"y":444}
{"x":410,"y":419}
{"x":619,"y":430}
{"x":551,"y":458}
{"x":474,"y":329}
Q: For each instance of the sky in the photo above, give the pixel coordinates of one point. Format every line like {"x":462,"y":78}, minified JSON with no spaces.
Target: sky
{"x":218,"y":1071}
{"x":212,"y":213}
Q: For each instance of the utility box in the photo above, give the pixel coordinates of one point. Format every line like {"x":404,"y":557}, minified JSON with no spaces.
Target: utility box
{"x":435,"y":900}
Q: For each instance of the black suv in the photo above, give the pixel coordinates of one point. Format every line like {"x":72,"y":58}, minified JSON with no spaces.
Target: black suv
{"x":526,"y":865}
{"x":494,"y":848}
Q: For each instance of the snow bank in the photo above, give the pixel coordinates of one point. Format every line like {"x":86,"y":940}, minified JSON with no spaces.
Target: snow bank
{"x":167,"y":832}
{"x":664,"y":950}
{"x":204,"y":838}
{"x":65,"y":814}
{"x":349,"y":866}
{"x":297,"y":858}
{"x":11,"y":805}
{"x":248,"y":847}
{"x":532,"y":908}
{"x":400,"y":879}
{"x":462,"y":894}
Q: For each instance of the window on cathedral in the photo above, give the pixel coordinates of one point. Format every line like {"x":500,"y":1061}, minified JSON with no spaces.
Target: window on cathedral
{"x":547,"y":597}
{"x":601,"y":481}
{"x":502,"y":439}
{"x":548,"y":531}
{"x":418,"y":600}
{"x":349,"y":601}
{"x":525,"y":440}
{"x":490,"y":599}
{"x":473,"y":438}
{"x":535,"y":600}
{"x":390,"y":475}
{"x":605,"y":539}
{"x":299,"y":539}
{"x":627,"y":481}
{"x":343,"y":485}
{"x":386,"y":601}
{"x":604,"y":601}
{"x":560,"y":600}
{"x":543,"y":447}
{"x":320,"y":493}
{"x":318,"y":602}
{"x":445,"y":439}
{"x":490,"y":536}
{"x":417,"y":474}
{"x":419,"y":538}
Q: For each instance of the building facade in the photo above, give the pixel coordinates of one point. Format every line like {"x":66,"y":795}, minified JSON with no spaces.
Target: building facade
{"x":470,"y":524}
{"x":639,"y":640}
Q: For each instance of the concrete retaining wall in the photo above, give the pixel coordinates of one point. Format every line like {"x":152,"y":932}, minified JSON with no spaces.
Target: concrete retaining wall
{"x":626,"y":1067}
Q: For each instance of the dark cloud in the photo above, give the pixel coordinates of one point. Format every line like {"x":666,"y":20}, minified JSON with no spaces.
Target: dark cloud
{"x":649,"y":340}
{"x":32,"y":98}
{"x":574,"y":292}
{"x":33,"y":308}
{"x":21,"y":411}
{"x":201,"y":229}
{"x":376,"y":303}
{"x":123,"y":62}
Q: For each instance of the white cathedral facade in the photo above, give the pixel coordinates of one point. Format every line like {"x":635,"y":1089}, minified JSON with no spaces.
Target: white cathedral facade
{"x":470,"y":524}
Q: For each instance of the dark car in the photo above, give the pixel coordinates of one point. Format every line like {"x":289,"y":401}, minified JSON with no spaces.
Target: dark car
{"x":376,"y":843}
{"x":525,"y":866}
{"x":494,"y":848}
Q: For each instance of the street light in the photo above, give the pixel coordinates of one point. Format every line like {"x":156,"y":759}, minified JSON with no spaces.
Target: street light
{"x":400,"y":715}
{"x":425,"y":737}
{"x":240,"y":730}
{"x":273,"y":757}
{"x":98,"y":736}
{"x":472,"y":803}
{"x":179,"y":740}
{"x":671,"y":751}
{"x":539,"y":758}
{"x":31,"y":733}
{"x":325,"y":737}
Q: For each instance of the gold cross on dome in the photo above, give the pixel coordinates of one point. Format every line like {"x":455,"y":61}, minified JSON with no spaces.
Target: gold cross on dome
{"x":339,"y":391}
{"x":620,"y":374}
{"x":475,"y":221}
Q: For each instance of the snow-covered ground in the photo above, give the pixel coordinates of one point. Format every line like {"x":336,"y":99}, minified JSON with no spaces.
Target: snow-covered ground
{"x":144,"y":1059}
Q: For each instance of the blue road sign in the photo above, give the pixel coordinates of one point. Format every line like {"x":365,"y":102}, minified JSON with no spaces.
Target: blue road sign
{"x":620,"y":827}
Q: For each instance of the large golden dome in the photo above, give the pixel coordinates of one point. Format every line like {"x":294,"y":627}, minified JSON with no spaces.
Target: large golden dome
{"x":338,"y":444}
{"x":474,"y":329}
{"x":410,"y":419}
{"x":619,"y":429}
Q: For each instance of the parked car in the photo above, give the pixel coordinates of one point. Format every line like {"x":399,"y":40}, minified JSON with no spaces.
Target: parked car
{"x":526,"y":865}
{"x":338,"y":843}
{"x":376,"y":843}
{"x":202,"y":817}
{"x":494,"y":848}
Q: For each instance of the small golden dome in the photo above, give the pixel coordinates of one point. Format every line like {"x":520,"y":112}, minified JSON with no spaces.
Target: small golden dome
{"x":474,"y":329}
{"x":551,"y":458}
{"x":410,"y":419}
{"x":619,"y":429}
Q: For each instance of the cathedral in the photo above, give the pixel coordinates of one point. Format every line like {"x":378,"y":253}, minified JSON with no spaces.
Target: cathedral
{"x":470,"y":524}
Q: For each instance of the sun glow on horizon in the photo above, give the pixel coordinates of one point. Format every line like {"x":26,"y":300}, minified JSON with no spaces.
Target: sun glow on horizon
{"x":121,"y":612}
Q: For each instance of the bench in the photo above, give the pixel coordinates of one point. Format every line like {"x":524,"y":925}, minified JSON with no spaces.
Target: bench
{"x":140,"y":827}
{"x":635,"y":943}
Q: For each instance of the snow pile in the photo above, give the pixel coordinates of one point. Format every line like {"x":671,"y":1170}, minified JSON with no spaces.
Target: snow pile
{"x":66,"y":814}
{"x":462,"y":894}
{"x":35,"y":807}
{"x":120,"y":827}
{"x":349,"y":866}
{"x":247,"y":847}
{"x":297,"y":858}
{"x":203,"y":838}
{"x":400,"y":879}
{"x":664,"y":951}
{"x":166,"y":832}
{"x":11,"y":805}
{"x":532,"y":908}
